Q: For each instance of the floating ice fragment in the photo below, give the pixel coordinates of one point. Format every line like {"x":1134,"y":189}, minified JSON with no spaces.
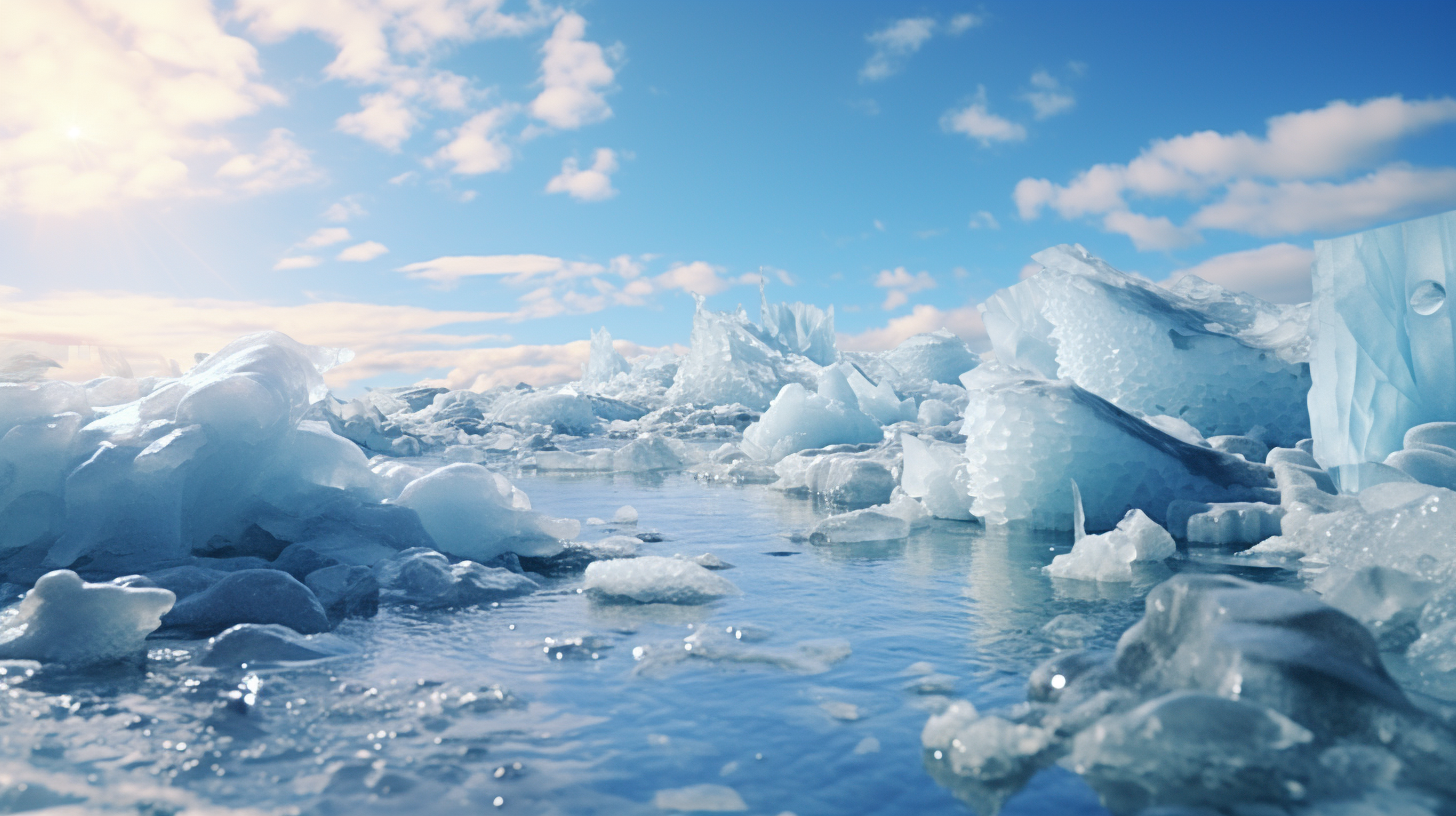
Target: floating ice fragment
{"x":258,"y":645}
{"x":626,"y":514}
{"x":846,"y":477}
{"x":427,"y":579}
{"x":869,"y":524}
{"x":655,"y":579}
{"x":798,"y":420}
{"x":66,"y":620}
{"x":700,"y":798}
{"x":1110,"y":556}
{"x":473,"y":513}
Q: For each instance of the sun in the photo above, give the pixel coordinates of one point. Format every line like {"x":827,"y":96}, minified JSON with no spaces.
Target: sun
{"x":73,"y":133}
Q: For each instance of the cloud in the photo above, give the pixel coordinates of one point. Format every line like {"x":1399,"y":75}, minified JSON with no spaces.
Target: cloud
{"x":477,"y":146}
{"x":448,"y":270}
{"x":107,"y":104}
{"x":298,"y":262}
{"x":901,"y":285}
{"x":344,"y":209}
{"x":385,"y":120}
{"x":893,"y":45}
{"x":592,"y":184}
{"x":280,"y":163}
{"x":700,"y":277}
{"x":1047,"y":97}
{"x":390,"y":46}
{"x":977,"y":122}
{"x":326,"y":236}
{"x":1295,"y":178}
{"x":367,"y":251}
{"x":573,"y":73}
{"x":961,"y":23}
{"x":149,"y":330}
{"x":963,"y":321}
{"x":1279,"y":273}
{"x":982,"y":219}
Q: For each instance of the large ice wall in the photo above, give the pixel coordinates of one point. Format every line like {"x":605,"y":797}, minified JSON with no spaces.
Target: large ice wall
{"x":1384,"y":348}
{"x":1028,"y":438}
{"x":1223,"y":362}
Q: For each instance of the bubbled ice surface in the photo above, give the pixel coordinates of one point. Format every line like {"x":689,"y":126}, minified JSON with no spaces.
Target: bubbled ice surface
{"x":1383,"y":357}
{"x":1221,"y":362}
{"x":1027,"y":438}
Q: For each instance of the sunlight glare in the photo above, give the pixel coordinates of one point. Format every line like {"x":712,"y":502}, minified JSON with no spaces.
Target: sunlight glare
{"x":73,"y":133}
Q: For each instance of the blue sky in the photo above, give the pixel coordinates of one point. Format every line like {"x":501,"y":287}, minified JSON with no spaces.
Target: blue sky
{"x":172,"y":175}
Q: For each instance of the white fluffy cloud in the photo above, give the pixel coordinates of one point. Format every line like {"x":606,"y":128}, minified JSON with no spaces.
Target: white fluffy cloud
{"x":107,"y":103}
{"x":1279,"y":272}
{"x":326,"y":236}
{"x":574,"y":72}
{"x":964,"y":321}
{"x":279,"y":163}
{"x":983,"y":219}
{"x":699,"y":276}
{"x":298,"y":262}
{"x":477,"y":146}
{"x":449,"y":270}
{"x":367,"y":251}
{"x":894,"y":44}
{"x":901,"y":284}
{"x":976,"y":121}
{"x":1048,"y":97}
{"x":591,"y":184}
{"x":1296,"y":178}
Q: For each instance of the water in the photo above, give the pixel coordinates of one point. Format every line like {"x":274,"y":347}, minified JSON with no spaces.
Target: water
{"x":805,"y":694}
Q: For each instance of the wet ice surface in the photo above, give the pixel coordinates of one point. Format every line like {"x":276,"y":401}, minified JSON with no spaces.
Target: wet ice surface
{"x":806,"y":693}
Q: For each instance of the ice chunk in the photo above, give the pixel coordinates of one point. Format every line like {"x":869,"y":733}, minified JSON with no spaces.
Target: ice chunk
{"x":936,"y":412}
{"x":256,"y":645}
{"x":1388,"y":601}
{"x":937,"y":474}
{"x":799,"y":328}
{"x":604,"y":362}
{"x":1026,"y":437}
{"x":651,"y":452}
{"x":731,"y":360}
{"x":1248,"y":447}
{"x":1226,"y":524}
{"x":427,"y":579}
{"x":345,"y":591}
{"x":655,"y":579}
{"x":938,"y":356}
{"x":798,"y":420}
{"x":1110,"y":556}
{"x":879,"y":400}
{"x":1222,"y":362}
{"x":473,"y":513}
{"x":846,"y":478}
{"x":66,"y":620}
{"x":869,"y":524}
{"x":250,"y":596}
{"x":700,"y":799}
{"x":564,"y":410}
{"x":626,"y":514}
{"x":1383,"y":347}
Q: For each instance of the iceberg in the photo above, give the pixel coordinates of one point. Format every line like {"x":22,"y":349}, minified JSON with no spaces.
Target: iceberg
{"x":1027,"y":438}
{"x":1384,"y":346}
{"x":1222,"y":362}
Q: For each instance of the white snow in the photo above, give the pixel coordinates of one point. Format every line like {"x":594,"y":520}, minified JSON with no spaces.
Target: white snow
{"x":1110,"y":556}
{"x":66,"y":620}
{"x":656,"y":579}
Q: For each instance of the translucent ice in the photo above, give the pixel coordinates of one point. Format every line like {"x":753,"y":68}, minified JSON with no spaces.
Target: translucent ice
{"x":66,"y":620}
{"x":1383,"y":348}
{"x":938,"y":356}
{"x":799,"y":328}
{"x":427,"y":579}
{"x":937,"y":474}
{"x":257,"y":645}
{"x":1027,"y":437}
{"x":798,"y":420}
{"x":655,"y":579}
{"x":844,"y":477}
{"x":869,"y":524}
{"x":732,"y":360}
{"x":473,"y":513}
{"x":1110,"y":556}
{"x":1220,"y":361}
{"x":604,"y":362}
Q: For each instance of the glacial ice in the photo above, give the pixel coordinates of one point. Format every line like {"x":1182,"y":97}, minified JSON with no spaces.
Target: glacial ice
{"x":799,"y":328}
{"x":604,"y":362}
{"x":66,"y":620}
{"x":256,"y":645}
{"x":1221,"y":361}
{"x":731,"y":360}
{"x":797,"y":420}
{"x":856,"y":526}
{"x":655,"y":579}
{"x":938,"y":356}
{"x":1028,"y":437}
{"x":1110,"y":556}
{"x":250,"y":596}
{"x":471,"y":512}
{"x":1383,"y":340}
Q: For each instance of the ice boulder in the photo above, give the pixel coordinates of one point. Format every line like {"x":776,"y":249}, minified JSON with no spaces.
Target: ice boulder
{"x":1384,"y":345}
{"x":938,"y":356}
{"x":426,"y":579}
{"x":564,"y":410}
{"x":1110,"y":556}
{"x":66,"y":620}
{"x":250,"y":596}
{"x":798,"y":420}
{"x":799,"y":328}
{"x":868,"y":524}
{"x":473,"y":513}
{"x":1223,"y":362}
{"x":732,"y":360}
{"x":1028,"y":437}
{"x":655,"y":579}
{"x":604,"y":362}
{"x":848,"y":477}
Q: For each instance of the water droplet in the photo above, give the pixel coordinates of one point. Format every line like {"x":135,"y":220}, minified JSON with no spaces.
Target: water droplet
{"x":1427,"y":297}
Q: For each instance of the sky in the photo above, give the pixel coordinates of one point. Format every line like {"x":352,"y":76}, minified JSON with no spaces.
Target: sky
{"x":461,"y":190}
